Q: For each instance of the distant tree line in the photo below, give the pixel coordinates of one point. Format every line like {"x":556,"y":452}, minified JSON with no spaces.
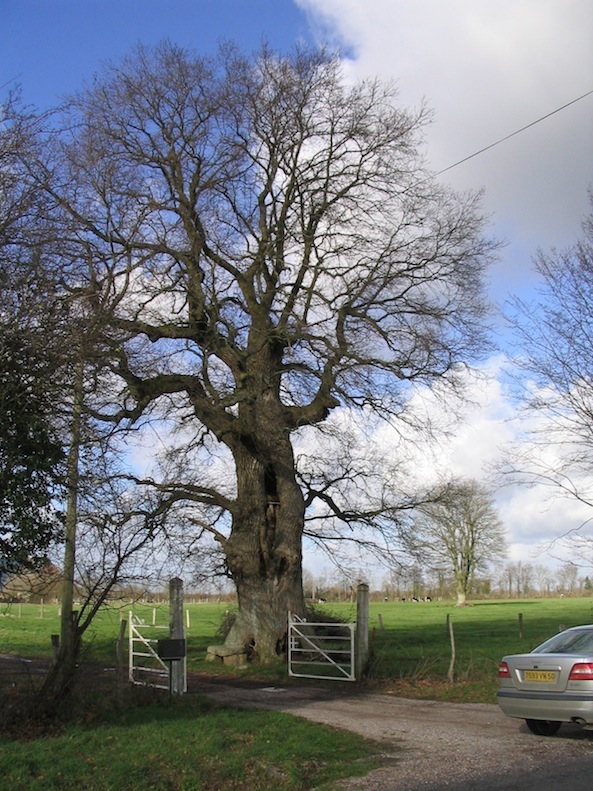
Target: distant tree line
{"x":511,"y":580}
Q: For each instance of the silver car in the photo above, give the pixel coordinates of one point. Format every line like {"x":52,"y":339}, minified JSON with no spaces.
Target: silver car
{"x":552,"y":684}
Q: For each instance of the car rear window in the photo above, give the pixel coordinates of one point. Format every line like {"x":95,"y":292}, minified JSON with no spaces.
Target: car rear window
{"x":570,"y":642}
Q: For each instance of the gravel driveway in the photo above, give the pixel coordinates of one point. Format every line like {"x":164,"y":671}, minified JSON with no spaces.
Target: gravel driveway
{"x":437,"y":745}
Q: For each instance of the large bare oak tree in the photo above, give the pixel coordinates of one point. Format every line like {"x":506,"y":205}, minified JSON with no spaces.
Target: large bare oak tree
{"x":264,"y":245}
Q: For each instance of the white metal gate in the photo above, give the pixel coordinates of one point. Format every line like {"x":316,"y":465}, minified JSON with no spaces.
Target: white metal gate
{"x":321,"y":650}
{"x":145,"y":665}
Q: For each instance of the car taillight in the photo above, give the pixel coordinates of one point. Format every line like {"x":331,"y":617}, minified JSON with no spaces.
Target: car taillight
{"x":503,"y":670}
{"x":583,"y":671}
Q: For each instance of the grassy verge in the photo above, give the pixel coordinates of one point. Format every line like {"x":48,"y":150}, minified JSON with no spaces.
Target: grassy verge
{"x":187,"y":745}
{"x":145,"y":743}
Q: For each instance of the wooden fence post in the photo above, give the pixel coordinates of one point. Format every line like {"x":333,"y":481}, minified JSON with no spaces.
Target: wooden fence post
{"x":362,"y":629}
{"x":178,"y":668}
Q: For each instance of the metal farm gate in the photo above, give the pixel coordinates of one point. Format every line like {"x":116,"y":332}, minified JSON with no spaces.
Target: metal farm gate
{"x":321,"y":650}
{"x":146,"y":667}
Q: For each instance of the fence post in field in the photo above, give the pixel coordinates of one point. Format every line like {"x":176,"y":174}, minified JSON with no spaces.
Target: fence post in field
{"x":451,"y":673}
{"x":362,"y":628}
{"x":177,"y":632}
{"x":520,"y":626}
{"x":119,"y":657}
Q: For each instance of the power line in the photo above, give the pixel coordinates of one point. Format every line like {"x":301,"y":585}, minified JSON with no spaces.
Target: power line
{"x":12,"y":79}
{"x":517,"y":132}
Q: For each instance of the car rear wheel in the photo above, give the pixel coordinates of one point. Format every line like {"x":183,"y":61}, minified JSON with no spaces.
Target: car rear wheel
{"x":543,"y":727}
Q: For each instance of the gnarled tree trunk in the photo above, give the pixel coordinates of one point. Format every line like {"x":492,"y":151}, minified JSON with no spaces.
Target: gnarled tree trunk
{"x":263,"y":553}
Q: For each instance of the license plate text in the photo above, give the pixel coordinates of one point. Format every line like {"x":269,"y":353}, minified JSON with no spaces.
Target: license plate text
{"x":547,"y":676}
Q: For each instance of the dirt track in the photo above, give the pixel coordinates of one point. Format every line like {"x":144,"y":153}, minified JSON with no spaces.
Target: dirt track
{"x":436,"y":745}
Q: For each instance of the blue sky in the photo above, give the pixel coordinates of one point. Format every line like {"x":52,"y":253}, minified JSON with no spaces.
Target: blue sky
{"x":485,"y":67}
{"x":51,"y":46}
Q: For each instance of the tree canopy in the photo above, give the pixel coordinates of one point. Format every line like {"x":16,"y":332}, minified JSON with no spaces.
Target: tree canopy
{"x":31,"y":454}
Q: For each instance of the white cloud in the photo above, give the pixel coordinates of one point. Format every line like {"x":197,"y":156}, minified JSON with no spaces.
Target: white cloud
{"x":537,"y":525}
{"x":487,"y":68}
{"x":535,"y":517}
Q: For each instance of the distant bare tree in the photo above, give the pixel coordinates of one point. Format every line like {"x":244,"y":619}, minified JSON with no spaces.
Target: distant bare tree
{"x":519,"y":578}
{"x":544,"y":578}
{"x":459,"y":532}
{"x":567,"y":577}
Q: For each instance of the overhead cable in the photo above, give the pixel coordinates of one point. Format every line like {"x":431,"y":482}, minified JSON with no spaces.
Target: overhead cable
{"x":517,"y":132}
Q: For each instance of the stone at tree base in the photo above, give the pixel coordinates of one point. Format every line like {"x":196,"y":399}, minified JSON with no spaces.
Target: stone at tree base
{"x":227,"y":655}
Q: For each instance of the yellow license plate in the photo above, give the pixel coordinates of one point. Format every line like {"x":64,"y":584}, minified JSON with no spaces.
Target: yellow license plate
{"x":545,"y":676}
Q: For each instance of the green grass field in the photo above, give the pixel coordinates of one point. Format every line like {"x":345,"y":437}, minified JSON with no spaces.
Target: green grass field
{"x":410,"y":641}
{"x":412,"y":646}
{"x":146,"y":741}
